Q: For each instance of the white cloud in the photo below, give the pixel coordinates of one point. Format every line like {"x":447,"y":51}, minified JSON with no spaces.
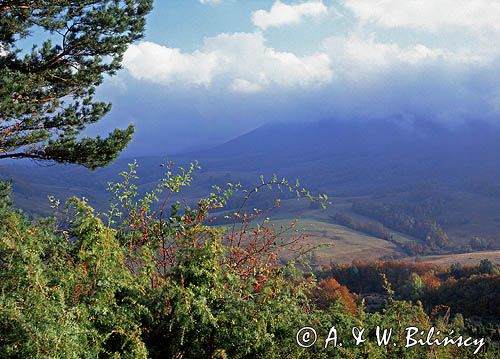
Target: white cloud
{"x":362,"y":60}
{"x":241,"y":60}
{"x":210,"y":2}
{"x":355,"y":51}
{"x":284,"y":14}
{"x":159,"y":64}
{"x":428,"y":14}
{"x":245,"y":63}
{"x":389,"y":64}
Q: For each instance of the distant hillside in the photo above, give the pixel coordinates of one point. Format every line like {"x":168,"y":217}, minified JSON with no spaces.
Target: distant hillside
{"x":365,"y":155}
{"x":419,"y":179}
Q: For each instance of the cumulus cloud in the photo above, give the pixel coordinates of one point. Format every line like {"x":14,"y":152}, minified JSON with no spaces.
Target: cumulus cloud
{"x":163,"y":65}
{"x":241,"y":60}
{"x":355,"y":51}
{"x":284,"y":14}
{"x":429,"y":15}
{"x":361,"y":70}
{"x":245,"y":63}
{"x":363,"y":64}
{"x":386,"y":79}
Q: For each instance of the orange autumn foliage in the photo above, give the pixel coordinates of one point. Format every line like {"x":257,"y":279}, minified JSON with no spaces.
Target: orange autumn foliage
{"x":430,"y":280}
{"x":329,"y":291}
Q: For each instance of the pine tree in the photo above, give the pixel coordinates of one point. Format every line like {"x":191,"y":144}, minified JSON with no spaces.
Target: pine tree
{"x":47,"y":92}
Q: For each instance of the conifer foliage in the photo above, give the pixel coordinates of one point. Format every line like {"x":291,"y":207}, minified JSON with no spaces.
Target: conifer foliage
{"x":47,"y":91}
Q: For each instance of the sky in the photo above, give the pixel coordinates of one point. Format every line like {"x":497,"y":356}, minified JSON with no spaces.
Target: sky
{"x":210,"y":70}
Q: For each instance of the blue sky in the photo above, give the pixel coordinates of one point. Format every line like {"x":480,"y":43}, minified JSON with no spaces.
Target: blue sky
{"x":207,"y":71}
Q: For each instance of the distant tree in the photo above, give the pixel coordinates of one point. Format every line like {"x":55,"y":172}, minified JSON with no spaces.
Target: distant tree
{"x":430,"y":280}
{"x":487,"y":267}
{"x":456,"y":270}
{"x":47,"y":92}
{"x":330,"y":291}
{"x":414,"y":288}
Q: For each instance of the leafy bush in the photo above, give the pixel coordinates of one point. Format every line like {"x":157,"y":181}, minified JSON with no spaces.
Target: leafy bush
{"x":161,"y":283}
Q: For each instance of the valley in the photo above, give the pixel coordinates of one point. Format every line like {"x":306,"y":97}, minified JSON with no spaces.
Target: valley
{"x":396,"y":192}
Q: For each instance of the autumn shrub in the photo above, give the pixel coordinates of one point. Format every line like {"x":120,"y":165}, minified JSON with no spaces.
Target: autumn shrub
{"x":329,"y":291}
{"x":154,"y":278}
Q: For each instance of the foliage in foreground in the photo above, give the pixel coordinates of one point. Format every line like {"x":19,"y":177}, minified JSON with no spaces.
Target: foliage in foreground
{"x":167,"y":284}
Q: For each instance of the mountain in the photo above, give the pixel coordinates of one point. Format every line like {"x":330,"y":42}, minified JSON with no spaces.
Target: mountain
{"x":365,"y":154}
{"x":387,"y":171}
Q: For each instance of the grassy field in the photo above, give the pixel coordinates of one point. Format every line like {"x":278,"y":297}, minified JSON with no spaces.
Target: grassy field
{"x":463,"y":214}
{"x":343,"y":245}
{"x":467,"y":259}
{"x":340,"y":244}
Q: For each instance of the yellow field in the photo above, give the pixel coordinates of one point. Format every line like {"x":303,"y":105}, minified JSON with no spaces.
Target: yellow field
{"x":468,"y":259}
{"x":341,"y":244}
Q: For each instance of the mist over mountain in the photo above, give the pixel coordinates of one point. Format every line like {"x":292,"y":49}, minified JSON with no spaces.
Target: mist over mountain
{"x":365,"y":154}
{"x":334,"y":156}
{"x":433,"y":187}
